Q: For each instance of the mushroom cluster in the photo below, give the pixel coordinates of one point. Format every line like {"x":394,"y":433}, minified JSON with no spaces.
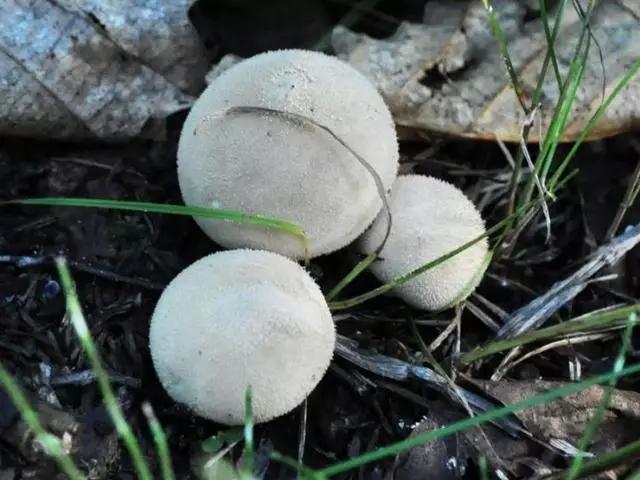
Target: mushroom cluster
{"x":304,"y":137}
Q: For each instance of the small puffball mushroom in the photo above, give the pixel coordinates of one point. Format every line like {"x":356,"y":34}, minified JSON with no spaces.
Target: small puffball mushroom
{"x":281,"y":165}
{"x":430,"y":218}
{"x":236,"y":319}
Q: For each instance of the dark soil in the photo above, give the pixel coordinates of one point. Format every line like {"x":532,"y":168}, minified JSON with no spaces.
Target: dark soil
{"x":122,"y":260}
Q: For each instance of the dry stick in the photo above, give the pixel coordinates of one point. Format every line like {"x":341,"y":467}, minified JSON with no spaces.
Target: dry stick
{"x":534,"y":314}
{"x":538,"y":311}
{"x":398,"y":370}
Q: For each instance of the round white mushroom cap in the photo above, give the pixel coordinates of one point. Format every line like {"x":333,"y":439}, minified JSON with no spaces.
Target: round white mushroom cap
{"x":236,"y":319}
{"x":281,"y":166}
{"x":430,"y":218}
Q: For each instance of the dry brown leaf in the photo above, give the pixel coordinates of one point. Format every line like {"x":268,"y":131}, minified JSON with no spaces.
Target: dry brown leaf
{"x":566,"y":418}
{"x":446,"y":74}
{"x":95,"y":68}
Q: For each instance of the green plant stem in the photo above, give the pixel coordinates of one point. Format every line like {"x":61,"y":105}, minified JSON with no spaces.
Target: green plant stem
{"x":495,"y":414}
{"x":149,"y":207}
{"x":348,"y":303}
{"x":360,"y":267}
{"x":551,"y":40}
{"x":160,"y":440}
{"x":627,"y":77}
{"x":51,"y":443}
{"x":596,"y":420}
{"x":560,"y":117}
{"x":249,"y":454}
{"x":110,"y":402}
{"x":501,"y":40}
{"x":604,"y":462}
{"x":537,"y":93}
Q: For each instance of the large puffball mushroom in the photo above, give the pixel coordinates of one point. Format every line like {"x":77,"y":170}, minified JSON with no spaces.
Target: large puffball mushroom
{"x":430,"y":218}
{"x":280,"y":165}
{"x":236,"y":319}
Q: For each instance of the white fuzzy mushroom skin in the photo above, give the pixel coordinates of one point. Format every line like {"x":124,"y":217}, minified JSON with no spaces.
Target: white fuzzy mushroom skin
{"x":272,"y":165}
{"x":430,"y":218}
{"x":240,"y":318}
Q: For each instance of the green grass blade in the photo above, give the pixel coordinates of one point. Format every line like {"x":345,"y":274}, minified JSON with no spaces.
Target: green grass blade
{"x":501,"y":40}
{"x":351,"y":302}
{"x":149,"y":207}
{"x":606,"y":461}
{"x":422,"y":438}
{"x":360,"y":267}
{"x":607,"y":319}
{"x":596,"y":420}
{"x":591,"y":124}
{"x":562,"y":109}
{"x":110,"y":402}
{"x":160,"y":440}
{"x":635,"y":475}
{"x":537,"y":94}
{"x":483,"y":467}
{"x":576,"y":72}
{"x":51,"y":443}
{"x":551,"y":41}
{"x":304,"y":471}
{"x":249,"y":453}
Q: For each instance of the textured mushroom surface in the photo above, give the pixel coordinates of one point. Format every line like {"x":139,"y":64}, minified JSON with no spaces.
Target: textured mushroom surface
{"x":280,"y":165}
{"x":430,"y":218}
{"x":241,"y":318}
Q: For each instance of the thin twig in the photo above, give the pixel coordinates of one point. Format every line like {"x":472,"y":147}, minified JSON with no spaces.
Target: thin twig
{"x":534,"y":314}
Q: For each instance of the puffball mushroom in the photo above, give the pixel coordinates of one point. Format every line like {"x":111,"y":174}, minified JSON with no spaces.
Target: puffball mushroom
{"x":273,"y":162}
{"x":430,"y":218}
{"x":236,"y":319}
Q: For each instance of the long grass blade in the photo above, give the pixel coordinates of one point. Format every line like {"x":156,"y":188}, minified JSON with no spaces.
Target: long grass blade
{"x":593,"y":121}
{"x":402,"y":279}
{"x":594,"y":423}
{"x":501,"y":40}
{"x":160,"y":440}
{"x":605,"y":320}
{"x":249,"y":453}
{"x":51,"y":443}
{"x":149,"y":207}
{"x":421,"y":439}
{"x":360,"y":267}
{"x":82,"y":330}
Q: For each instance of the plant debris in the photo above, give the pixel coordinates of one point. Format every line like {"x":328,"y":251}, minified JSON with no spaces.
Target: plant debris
{"x":447,"y":73}
{"x":90,"y":69}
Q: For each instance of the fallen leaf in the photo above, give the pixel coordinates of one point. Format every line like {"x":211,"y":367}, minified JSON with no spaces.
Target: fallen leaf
{"x":105,"y":69}
{"x":566,"y":418}
{"x":447,"y":75}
